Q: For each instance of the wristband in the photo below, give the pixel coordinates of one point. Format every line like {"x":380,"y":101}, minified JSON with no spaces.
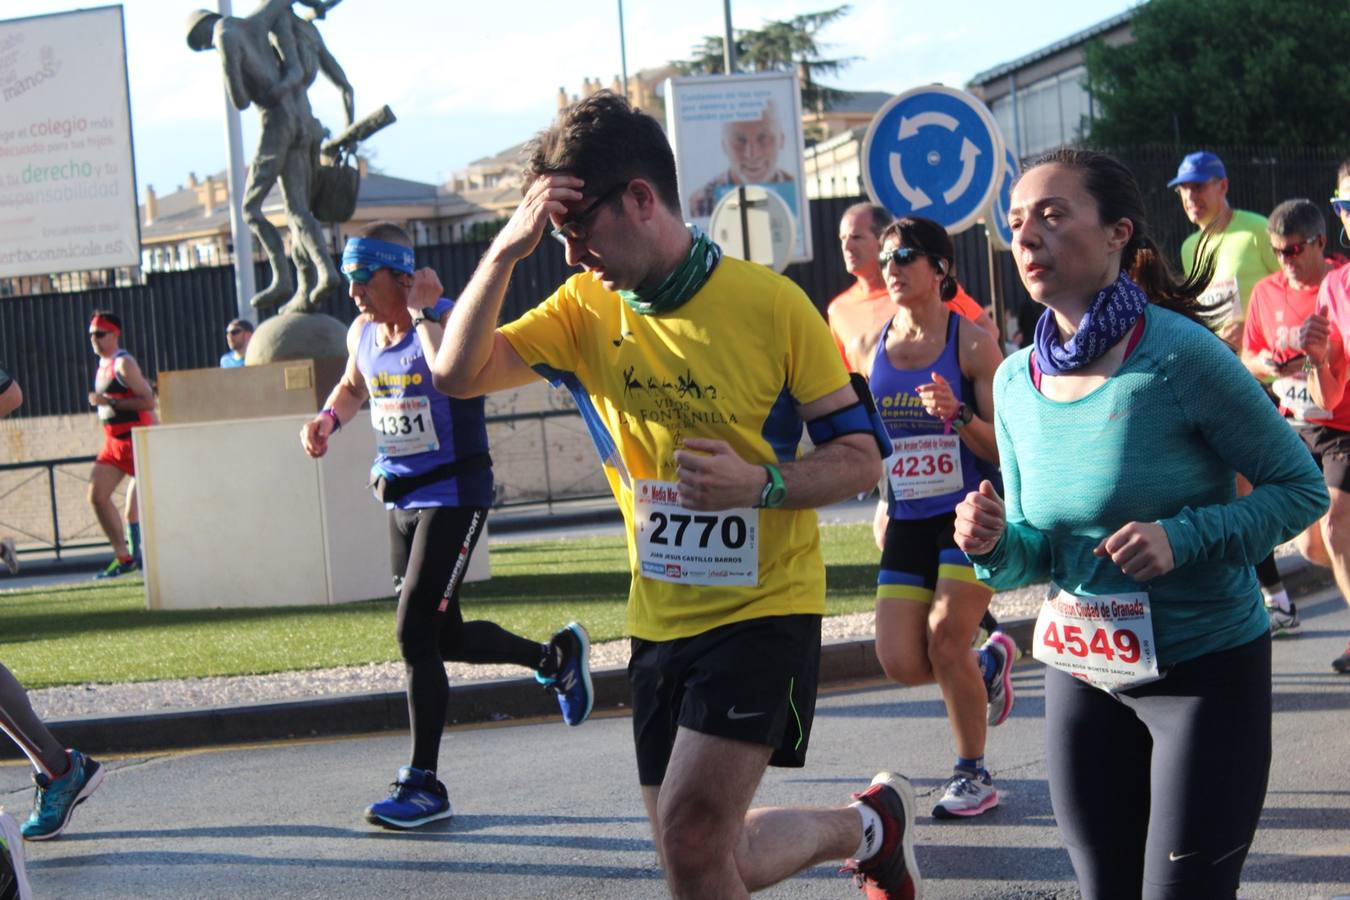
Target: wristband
{"x":337,"y":423}
{"x":775,"y":491}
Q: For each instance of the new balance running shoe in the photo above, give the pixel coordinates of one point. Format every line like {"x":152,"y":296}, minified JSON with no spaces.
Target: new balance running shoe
{"x":1284,"y":624}
{"x":9,"y":555}
{"x":415,"y":798}
{"x":1000,"y":688}
{"x":56,"y":798}
{"x":890,"y":873}
{"x":571,"y":647}
{"x":118,"y":567}
{"x":1342,"y":663}
{"x":13,"y":877}
{"x":966,"y":794}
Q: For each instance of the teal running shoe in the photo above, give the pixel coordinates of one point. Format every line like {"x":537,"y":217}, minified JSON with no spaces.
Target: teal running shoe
{"x":56,"y":798}
{"x":118,"y":568}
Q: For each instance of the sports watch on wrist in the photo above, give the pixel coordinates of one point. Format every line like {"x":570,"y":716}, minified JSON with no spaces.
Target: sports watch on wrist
{"x":963,"y":416}
{"x":426,"y":314}
{"x":775,"y":491}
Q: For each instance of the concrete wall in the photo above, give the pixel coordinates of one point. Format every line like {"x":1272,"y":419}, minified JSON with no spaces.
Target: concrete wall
{"x":268,"y":526}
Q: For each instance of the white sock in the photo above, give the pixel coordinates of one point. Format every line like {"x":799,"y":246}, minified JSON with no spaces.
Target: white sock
{"x":1279,"y":598}
{"x":871,"y":832}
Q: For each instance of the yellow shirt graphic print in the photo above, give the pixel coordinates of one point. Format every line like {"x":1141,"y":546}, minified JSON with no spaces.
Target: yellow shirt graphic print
{"x":731,"y":364}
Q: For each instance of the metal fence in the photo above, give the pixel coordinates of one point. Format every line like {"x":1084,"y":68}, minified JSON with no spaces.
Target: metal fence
{"x":175,"y":320}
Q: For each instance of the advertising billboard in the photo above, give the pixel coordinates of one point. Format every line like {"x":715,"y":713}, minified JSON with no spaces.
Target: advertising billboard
{"x":729,"y":131}
{"x":67,"y":178}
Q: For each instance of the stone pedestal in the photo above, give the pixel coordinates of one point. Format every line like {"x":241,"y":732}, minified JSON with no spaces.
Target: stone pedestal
{"x":297,"y":336}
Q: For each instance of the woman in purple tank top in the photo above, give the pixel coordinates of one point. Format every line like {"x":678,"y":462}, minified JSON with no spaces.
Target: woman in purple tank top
{"x":932,"y":375}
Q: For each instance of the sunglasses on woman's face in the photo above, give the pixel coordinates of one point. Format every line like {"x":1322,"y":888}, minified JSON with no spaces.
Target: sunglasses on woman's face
{"x":1340,"y":206}
{"x":901,"y":256}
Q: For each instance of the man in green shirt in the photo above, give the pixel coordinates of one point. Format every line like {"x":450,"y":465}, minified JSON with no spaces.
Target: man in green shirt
{"x":1243,"y":255}
{"x":1242,"y":258}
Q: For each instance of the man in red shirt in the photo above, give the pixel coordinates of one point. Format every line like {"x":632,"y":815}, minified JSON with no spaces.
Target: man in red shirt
{"x":1274,"y":350}
{"x":124,"y":400}
{"x":860,"y":311}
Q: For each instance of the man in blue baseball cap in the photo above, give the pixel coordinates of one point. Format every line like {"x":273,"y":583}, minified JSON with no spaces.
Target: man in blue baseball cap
{"x":1242,"y":253}
{"x":1242,"y":257}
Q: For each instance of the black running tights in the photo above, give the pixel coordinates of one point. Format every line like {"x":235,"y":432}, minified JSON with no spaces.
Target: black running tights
{"x":1157,"y":793}
{"x":431,"y":548}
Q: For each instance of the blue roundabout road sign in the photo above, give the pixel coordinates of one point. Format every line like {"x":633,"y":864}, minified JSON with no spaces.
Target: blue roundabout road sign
{"x":936,"y":152}
{"x":996,"y":221}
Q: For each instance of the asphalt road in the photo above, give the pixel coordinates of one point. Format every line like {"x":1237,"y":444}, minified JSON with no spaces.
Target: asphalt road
{"x":547,"y":811}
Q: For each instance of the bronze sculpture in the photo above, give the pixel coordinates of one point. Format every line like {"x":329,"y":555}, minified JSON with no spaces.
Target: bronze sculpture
{"x":270,"y":58}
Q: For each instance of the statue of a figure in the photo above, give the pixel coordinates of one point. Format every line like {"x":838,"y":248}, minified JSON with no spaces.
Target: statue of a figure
{"x":270,"y":58}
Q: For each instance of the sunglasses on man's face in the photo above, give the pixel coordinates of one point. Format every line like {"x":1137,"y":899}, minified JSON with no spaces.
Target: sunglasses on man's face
{"x":1291,"y":251}
{"x":577,"y":228}
{"x":901,"y":256}
{"x":233,"y":331}
{"x":1340,"y":206}
{"x":99,"y":334}
{"x":361,"y":274}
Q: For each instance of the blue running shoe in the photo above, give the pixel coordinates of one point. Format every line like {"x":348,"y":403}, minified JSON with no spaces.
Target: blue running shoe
{"x":571,"y":647}
{"x":56,"y":798}
{"x":416,"y":798}
{"x":117,"y":568}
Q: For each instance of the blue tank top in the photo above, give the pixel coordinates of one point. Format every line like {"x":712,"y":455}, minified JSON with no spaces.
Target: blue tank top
{"x":417,"y":428}
{"x":897,"y":395}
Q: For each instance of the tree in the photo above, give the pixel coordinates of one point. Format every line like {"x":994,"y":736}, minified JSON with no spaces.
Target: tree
{"x":1212,"y":72}
{"x":783,"y":45}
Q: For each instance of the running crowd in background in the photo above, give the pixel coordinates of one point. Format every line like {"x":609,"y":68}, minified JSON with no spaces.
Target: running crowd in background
{"x":992,"y":473}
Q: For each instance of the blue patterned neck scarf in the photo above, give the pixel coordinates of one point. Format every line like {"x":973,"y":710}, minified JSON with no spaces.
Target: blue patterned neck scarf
{"x":1110,"y":315}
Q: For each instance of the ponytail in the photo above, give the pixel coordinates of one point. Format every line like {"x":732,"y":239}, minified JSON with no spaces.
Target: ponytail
{"x":947,"y":289}
{"x":1149,"y":269}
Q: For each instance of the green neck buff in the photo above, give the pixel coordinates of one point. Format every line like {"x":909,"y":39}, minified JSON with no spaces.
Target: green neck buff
{"x":689,"y":276}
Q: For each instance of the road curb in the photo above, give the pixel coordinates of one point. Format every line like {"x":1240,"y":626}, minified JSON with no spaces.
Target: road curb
{"x":841,"y":662}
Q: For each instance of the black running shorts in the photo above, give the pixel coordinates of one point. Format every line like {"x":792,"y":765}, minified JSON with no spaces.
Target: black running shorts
{"x":752,"y":681}
{"x":1330,"y":448}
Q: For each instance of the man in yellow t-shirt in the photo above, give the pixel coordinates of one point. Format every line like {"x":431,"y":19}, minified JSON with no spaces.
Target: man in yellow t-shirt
{"x":694,"y":373}
{"x":1242,"y":255}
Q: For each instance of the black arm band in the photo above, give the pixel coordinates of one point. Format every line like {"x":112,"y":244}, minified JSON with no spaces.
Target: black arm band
{"x":859,"y":418}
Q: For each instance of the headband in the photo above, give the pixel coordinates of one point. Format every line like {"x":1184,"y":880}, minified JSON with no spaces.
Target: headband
{"x":102,"y":324}
{"x":363,"y":252}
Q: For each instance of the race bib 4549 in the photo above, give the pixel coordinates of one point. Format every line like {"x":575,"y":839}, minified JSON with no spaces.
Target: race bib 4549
{"x":1106,"y":640}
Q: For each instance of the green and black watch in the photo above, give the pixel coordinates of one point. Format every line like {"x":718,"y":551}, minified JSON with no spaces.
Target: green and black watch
{"x":775,"y":492}
{"x":963,"y":416}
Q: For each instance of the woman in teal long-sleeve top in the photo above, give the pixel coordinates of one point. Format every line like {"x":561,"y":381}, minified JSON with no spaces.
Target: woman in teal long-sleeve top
{"x":1120,"y":431}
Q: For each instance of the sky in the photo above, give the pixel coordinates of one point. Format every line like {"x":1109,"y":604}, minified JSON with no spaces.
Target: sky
{"x":468,"y":79}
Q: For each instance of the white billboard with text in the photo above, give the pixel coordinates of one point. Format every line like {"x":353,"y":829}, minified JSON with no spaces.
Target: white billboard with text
{"x":67,"y":179}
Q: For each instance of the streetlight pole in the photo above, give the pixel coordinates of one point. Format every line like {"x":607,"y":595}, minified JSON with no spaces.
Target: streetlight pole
{"x":728,"y":44}
{"x":244,"y":283}
{"x":623,"y":53}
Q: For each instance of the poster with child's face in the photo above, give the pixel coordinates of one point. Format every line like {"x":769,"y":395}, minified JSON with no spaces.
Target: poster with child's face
{"x":738,"y":130}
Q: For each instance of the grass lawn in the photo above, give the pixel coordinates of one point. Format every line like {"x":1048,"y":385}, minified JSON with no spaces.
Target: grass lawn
{"x":103,"y":633}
